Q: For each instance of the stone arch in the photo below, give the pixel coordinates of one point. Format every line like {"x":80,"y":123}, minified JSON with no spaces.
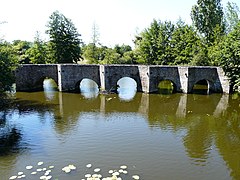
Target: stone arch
{"x":174,"y":86}
{"x":211,"y":74}
{"x":126,"y":92}
{"x":157,"y":80}
{"x":78,"y":83}
{"x":211,"y":85}
{"x":37,"y":83}
{"x":160,"y":73}
{"x":115,"y":72}
{"x":135,"y":79}
{"x":30,"y":77}
{"x":128,"y":79}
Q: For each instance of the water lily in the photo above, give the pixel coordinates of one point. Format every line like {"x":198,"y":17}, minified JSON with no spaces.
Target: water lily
{"x":40,"y":163}
{"x":29,"y":167}
{"x":136,"y":177}
{"x":89,"y":165}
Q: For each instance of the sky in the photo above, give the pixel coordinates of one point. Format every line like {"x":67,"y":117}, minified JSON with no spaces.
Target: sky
{"x":118,"y":21}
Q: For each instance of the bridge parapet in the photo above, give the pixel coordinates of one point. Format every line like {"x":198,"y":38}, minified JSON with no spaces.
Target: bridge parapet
{"x":69,"y":76}
{"x":30,"y":77}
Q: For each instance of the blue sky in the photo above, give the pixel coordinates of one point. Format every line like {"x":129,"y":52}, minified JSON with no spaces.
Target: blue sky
{"x":118,"y":21}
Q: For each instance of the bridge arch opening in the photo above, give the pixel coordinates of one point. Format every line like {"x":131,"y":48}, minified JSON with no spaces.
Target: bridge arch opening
{"x":126,"y":88}
{"x":49,"y":87}
{"x":201,"y":87}
{"x":44,"y":84}
{"x":88,"y":88}
{"x":49,"y":84}
{"x":166,"y":87}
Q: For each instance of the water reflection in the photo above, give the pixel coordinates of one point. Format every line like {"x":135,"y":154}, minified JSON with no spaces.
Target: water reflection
{"x":127,"y":88}
{"x":166,"y":87}
{"x":50,"y":88}
{"x":202,"y":130}
{"x":89,"y":88}
{"x":201,"y":87}
{"x":10,"y":136}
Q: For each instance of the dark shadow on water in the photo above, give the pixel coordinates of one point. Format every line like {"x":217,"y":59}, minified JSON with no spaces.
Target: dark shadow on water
{"x":201,"y":87}
{"x":10,"y":134}
{"x":24,"y":106}
{"x":10,"y":138}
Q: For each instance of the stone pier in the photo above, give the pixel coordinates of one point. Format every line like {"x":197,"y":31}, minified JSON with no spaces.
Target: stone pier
{"x":69,"y":76}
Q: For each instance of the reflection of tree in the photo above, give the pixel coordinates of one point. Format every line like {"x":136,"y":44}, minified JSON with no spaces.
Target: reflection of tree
{"x":203,"y":128}
{"x":9,"y":140}
{"x":198,"y":139}
{"x":9,"y":136}
{"x":67,"y":114}
{"x":228,"y":138}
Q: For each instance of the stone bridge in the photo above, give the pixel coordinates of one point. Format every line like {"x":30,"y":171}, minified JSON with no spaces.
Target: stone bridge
{"x":69,"y":76}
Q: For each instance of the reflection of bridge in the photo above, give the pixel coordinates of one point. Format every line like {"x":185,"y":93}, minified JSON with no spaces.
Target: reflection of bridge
{"x":178,"y":105}
{"x":68,"y":76}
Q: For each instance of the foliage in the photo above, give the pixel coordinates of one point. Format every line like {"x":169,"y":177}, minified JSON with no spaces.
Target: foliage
{"x":110,"y":57}
{"x":169,"y":44}
{"x":214,"y":39}
{"x":185,"y":44}
{"x":39,"y":52}
{"x":232,"y":16}
{"x":126,"y":54}
{"x":8,"y":62}
{"x":206,"y":16}
{"x":229,"y":54}
{"x":64,"y":39}
{"x":129,"y":57}
{"x":93,"y":54}
{"x":153,"y":44}
{"x":20,"y":48}
{"x":103,"y":55}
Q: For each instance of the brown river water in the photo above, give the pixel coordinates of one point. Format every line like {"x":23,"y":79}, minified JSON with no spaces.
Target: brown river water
{"x":157,"y":136}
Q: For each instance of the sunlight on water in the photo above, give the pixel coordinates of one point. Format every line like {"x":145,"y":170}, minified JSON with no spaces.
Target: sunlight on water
{"x":50,"y":88}
{"x":89,"y":88}
{"x":179,"y":136}
{"x":127,"y":88}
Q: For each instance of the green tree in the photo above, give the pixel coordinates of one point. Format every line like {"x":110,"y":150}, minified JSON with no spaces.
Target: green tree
{"x":229,"y":54}
{"x":122,"y":49}
{"x":110,"y":57}
{"x":214,"y":51}
{"x":232,"y":16}
{"x":128,"y":57}
{"x":8,"y":62}
{"x":126,"y":53}
{"x":185,"y":43}
{"x":64,"y":39}
{"x":20,"y":47}
{"x":38,"y":52}
{"x":93,"y":54}
{"x":206,"y":16}
{"x":153,"y":44}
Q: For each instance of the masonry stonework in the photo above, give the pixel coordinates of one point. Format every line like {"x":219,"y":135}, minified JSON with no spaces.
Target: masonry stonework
{"x":69,"y":76}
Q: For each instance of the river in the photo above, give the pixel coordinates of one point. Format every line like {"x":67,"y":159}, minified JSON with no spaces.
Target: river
{"x":157,"y":136}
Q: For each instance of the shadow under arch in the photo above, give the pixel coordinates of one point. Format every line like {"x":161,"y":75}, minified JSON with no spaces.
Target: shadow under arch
{"x":202,"y":86}
{"x":39,"y":84}
{"x":126,"y":88}
{"x":87,"y":87}
{"x":166,"y":86}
